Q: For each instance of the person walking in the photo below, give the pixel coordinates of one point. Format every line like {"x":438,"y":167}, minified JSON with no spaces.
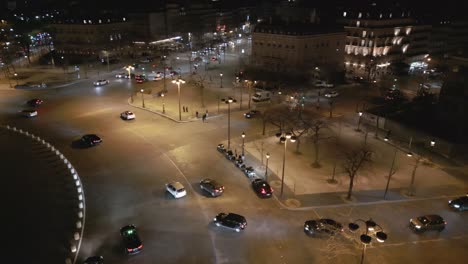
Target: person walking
{"x":196,"y":114}
{"x":204,"y":117}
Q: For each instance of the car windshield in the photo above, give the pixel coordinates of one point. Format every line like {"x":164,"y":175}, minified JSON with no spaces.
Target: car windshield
{"x":423,"y":219}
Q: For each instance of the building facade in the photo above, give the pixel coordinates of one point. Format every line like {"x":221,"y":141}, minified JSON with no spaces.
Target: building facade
{"x":292,"y":47}
{"x":376,"y":38}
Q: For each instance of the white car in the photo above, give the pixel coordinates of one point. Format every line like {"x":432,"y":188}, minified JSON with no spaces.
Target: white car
{"x":29,"y":113}
{"x":332,"y":94}
{"x":127,"y":115}
{"x":176,"y":189}
{"x":101,"y":82}
{"x":319,"y":83}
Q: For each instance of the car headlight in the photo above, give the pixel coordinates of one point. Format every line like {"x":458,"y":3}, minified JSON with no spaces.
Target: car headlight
{"x":306,"y":227}
{"x":456,"y":205}
{"x":417,"y":226}
{"x":214,"y":219}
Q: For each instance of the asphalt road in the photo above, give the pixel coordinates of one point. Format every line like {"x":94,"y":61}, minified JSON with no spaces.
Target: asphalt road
{"x":124,"y":181}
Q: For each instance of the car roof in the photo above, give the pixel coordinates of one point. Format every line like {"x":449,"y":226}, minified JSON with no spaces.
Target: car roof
{"x":236,"y":217}
{"x":433,"y":217}
{"x":177,"y":185}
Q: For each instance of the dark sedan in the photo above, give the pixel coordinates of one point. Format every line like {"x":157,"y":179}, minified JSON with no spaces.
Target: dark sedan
{"x":460,"y":204}
{"x":212,"y":187}
{"x":427,"y":223}
{"x":322,"y":226}
{"x":91,"y":140}
{"x":35,"y":102}
{"x":232,"y":221}
{"x":262,"y":188}
{"x":251,"y":113}
{"x":131,"y":240}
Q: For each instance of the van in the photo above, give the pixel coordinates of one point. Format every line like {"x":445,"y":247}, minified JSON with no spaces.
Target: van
{"x":261,"y":96}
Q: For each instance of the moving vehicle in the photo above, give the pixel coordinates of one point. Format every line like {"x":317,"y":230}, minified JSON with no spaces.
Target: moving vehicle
{"x":393,"y":95}
{"x":427,"y":223}
{"x":322,"y":226}
{"x":262,"y":188}
{"x":127,"y":115}
{"x":176,"y":189}
{"x":251,"y":113}
{"x":34,"y":102}
{"x":91,"y":140}
{"x":230,"y":220}
{"x":460,"y":204}
{"x":212,"y":187}
{"x":331,"y":94}
{"x":261,"y":96}
{"x":131,"y":240}
{"x":29,"y":113}
{"x":121,"y":75}
{"x":101,"y":82}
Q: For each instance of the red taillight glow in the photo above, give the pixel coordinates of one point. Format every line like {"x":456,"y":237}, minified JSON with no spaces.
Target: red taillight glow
{"x":140,"y":247}
{"x":263,"y":191}
{"x":129,"y":249}
{"x":216,"y":190}
{"x":445,"y":222}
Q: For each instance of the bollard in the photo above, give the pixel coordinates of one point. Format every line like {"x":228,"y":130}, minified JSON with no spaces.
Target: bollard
{"x":69,"y":166}
{"x":76,"y":236}
{"x":26,"y":133}
{"x":80,"y":205}
{"x":80,"y":197}
{"x":47,"y":145}
{"x":21,"y":131}
{"x":57,"y":152}
{"x":80,"y":214}
{"x":43,"y":142}
{"x":78,"y":224}
{"x":14,"y":128}
{"x":77,"y":182}
{"x":78,"y":189}
{"x":73,"y":248}
{"x":72,"y":171}
{"x":75,"y":176}
{"x":61,"y":156}
{"x":7,"y":126}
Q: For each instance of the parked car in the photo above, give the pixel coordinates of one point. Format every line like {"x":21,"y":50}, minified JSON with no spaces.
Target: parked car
{"x":176,"y":189}
{"x":127,"y":115}
{"x":249,"y":171}
{"x":35,"y":102}
{"x":101,"y":82}
{"x":460,"y":204}
{"x":230,"y":155}
{"x":251,"y":113}
{"x":332,"y":94}
{"x":212,"y":187}
{"x":239,"y":161}
{"x":262,"y":188}
{"x":29,"y":113}
{"x":230,"y":220}
{"x":427,"y":222}
{"x":91,"y":140}
{"x":322,"y":226}
{"x":221,"y":148}
{"x":131,"y":241}
{"x":94,"y":260}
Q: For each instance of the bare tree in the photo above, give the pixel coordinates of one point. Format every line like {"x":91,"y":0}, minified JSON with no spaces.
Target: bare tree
{"x":299,"y":126}
{"x":315,"y":128}
{"x":200,"y":83}
{"x":353,"y":161}
{"x":277,"y":116}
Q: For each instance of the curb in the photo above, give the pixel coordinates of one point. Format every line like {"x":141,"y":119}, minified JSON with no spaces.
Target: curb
{"x":75,"y":243}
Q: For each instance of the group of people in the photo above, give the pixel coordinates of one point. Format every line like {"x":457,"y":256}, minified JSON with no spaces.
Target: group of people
{"x":204,"y":116}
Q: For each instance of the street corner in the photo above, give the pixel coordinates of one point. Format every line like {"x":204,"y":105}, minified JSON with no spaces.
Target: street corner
{"x":288,"y":200}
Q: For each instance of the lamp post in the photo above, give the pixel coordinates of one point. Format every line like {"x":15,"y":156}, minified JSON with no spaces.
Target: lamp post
{"x":243,"y":145}
{"x":266,"y":167}
{"x":221,"y":80}
{"x":372,"y":228}
{"x":284,"y":139}
{"x":229,"y":101}
{"x":432,"y":144}
{"x":179,"y":82}
{"x":142,"y":98}
{"x":359,"y":122}
{"x":164,"y":110}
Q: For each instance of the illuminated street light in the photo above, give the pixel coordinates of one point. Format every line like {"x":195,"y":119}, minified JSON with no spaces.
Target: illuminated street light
{"x":221,"y":80}
{"x":284,"y":139}
{"x":179,"y":82}
{"x":142,"y":98}
{"x":372,"y":228}
{"x":243,"y":145}
{"x":266,"y":167}
{"x":359,"y":122}
{"x":229,"y":101}
{"x":164,"y":110}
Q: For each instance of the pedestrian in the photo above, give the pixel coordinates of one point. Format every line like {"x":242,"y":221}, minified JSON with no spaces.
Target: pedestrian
{"x":206,"y":112}
{"x":204,"y":117}
{"x":186,"y":109}
{"x":196,"y":114}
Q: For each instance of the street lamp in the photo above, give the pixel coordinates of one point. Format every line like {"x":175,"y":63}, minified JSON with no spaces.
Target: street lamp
{"x":179,"y":82}
{"x":243,"y":145}
{"x":372,"y":228}
{"x":229,"y":101}
{"x":221,"y":80}
{"x":266,"y":167}
{"x":164,"y":110}
{"x":129,"y":69}
{"x":284,"y":139}
{"x":142,"y":98}
{"x":359,"y":122}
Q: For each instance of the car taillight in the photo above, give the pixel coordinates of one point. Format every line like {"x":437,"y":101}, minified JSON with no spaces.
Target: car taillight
{"x":140,"y":247}
{"x":129,"y":249}
{"x":216,"y":190}
{"x":445,"y":222}
{"x":263,"y":191}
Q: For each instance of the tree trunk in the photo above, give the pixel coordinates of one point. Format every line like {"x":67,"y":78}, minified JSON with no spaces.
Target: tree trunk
{"x":264,"y":127}
{"x":297,"y":145}
{"x":316,"y":162}
{"x":351,"y":183}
